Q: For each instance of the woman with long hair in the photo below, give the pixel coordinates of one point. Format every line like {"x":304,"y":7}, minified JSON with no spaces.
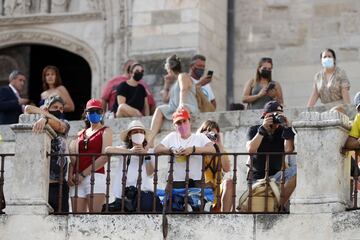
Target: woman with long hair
{"x":182,"y":95}
{"x":135,"y":138}
{"x":216,"y":166}
{"x":91,"y":140}
{"x":262,"y":89}
{"x":52,"y":85}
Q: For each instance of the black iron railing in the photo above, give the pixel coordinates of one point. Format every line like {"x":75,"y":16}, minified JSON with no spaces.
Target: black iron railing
{"x":193,"y":195}
{"x":2,"y":172}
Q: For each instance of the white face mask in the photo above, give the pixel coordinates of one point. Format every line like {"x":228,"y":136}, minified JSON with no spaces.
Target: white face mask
{"x":138,"y":138}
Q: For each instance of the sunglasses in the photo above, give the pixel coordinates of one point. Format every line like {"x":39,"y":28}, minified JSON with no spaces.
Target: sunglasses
{"x":91,"y":111}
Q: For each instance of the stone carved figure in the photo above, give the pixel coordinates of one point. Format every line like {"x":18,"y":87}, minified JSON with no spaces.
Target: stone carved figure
{"x":17,"y":7}
{"x":58,"y":6}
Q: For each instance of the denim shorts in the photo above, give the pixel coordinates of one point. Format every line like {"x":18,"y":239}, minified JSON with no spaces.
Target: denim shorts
{"x":289,"y":172}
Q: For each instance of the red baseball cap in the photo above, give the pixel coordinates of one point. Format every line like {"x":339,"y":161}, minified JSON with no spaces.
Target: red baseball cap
{"x":93,"y":103}
{"x":180,"y":115}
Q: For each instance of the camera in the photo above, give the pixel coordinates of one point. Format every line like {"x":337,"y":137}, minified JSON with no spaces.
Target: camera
{"x":212,"y":136}
{"x":279,"y":119}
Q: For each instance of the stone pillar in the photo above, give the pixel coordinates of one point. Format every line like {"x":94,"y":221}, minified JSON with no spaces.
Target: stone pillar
{"x":323,"y":173}
{"x":30,"y":178}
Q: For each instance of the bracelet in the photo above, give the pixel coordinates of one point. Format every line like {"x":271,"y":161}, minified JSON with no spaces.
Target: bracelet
{"x":262,"y":131}
{"x":82,"y":174}
{"x":194,"y":149}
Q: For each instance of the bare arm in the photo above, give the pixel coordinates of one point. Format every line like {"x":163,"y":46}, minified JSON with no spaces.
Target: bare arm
{"x":345,"y":95}
{"x":146,"y":107}
{"x":279,"y":95}
{"x":225,"y":162}
{"x":313,"y":98}
{"x":185,"y":84}
{"x":247,"y":97}
{"x":69,"y":104}
{"x":161,"y":149}
{"x":55,"y":123}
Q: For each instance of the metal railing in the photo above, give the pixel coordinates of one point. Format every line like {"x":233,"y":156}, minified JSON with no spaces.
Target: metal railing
{"x":2,"y":172}
{"x":170,"y":195}
{"x":354,"y":181}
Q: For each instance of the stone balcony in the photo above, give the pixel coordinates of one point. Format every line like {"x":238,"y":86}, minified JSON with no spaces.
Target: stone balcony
{"x":318,"y":206}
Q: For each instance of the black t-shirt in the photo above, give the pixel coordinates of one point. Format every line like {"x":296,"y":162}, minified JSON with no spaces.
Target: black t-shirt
{"x":134,"y":95}
{"x":269,"y":143}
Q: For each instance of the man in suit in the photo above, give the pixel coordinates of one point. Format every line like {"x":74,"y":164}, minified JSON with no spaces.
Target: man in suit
{"x":11,"y":104}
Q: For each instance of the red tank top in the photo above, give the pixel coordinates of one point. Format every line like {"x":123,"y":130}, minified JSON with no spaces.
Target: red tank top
{"x":93,"y":145}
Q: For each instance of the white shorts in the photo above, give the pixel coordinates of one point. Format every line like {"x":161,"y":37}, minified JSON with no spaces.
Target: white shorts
{"x":84,"y":188}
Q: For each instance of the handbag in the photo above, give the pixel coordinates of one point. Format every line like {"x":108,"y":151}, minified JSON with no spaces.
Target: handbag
{"x":203,"y":103}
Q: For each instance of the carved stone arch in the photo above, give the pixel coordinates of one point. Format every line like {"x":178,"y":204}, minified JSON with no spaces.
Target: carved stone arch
{"x":59,"y":40}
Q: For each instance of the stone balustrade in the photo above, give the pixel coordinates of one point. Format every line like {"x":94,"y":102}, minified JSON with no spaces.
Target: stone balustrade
{"x":321,"y":196}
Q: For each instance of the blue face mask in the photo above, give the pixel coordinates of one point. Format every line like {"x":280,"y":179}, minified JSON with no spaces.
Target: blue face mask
{"x":198,"y":72}
{"x":94,"y":117}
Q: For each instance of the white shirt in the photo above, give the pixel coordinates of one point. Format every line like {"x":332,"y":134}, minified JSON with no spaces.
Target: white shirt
{"x":132,"y":175}
{"x":206,"y":89}
{"x":14,"y":90}
{"x":174,"y":140}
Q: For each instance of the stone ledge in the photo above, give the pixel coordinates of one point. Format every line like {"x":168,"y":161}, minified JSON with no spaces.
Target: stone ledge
{"x":324,"y":119}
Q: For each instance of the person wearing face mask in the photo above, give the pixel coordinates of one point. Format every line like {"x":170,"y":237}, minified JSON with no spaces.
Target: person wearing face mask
{"x":182,"y":95}
{"x":135,"y":138}
{"x":52,"y":114}
{"x":197,"y":69}
{"x":183,"y":143}
{"x":331,"y":84}
{"x":131,"y":96}
{"x":215,"y":167}
{"x":262,"y":89}
{"x":91,"y":140}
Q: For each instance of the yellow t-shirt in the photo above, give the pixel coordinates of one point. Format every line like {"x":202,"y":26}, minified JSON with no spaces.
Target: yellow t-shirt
{"x":355,"y":128}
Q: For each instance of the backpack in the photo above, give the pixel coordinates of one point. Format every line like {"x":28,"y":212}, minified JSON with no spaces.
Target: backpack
{"x":203,"y":103}
{"x":258,"y":197}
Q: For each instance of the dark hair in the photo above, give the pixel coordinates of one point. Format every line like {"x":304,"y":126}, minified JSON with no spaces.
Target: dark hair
{"x":127,"y":65}
{"x":208,"y":125}
{"x":132,"y":67}
{"x":129,"y":143}
{"x":196,"y":57}
{"x":174,"y":63}
{"x":260,"y":63}
{"x":57,"y":77}
{"x":328,"y":50}
{"x":14,"y":74}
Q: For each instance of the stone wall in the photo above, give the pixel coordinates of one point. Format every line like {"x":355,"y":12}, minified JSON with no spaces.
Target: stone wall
{"x":293,"y":33}
{"x":318,"y":211}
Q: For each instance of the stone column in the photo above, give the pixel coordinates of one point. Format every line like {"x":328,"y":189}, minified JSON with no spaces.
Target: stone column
{"x":323,"y":173}
{"x":30,"y":178}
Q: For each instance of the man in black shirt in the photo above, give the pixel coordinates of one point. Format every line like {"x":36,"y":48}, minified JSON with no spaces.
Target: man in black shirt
{"x":275,"y":134}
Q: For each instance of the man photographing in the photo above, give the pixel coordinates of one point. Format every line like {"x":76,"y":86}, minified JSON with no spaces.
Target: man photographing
{"x":275,"y":134}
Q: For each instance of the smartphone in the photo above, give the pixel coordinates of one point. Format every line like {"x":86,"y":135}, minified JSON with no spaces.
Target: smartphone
{"x":210,"y":73}
{"x":270,"y":86}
